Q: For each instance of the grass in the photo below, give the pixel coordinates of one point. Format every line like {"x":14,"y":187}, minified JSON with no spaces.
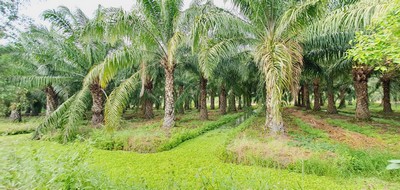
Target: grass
{"x":389,"y":137}
{"x":311,"y":151}
{"x":28,"y":125}
{"x":200,"y":157}
{"x":192,"y":165}
{"x":152,"y":138}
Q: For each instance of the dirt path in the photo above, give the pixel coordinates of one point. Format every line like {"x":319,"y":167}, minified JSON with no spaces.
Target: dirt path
{"x":353,"y":139}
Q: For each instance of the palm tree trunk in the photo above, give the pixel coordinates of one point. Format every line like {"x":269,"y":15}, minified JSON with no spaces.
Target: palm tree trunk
{"x":222,"y":100}
{"x":181,"y":107}
{"x":360,"y":79}
{"x":232,"y":102}
{"x":317,"y":95}
{"x":240,"y":102}
{"x":321,"y":99}
{"x":197,"y":102}
{"x":51,"y":100}
{"x":302,"y":102}
{"x":148,"y":102}
{"x":331,"y":97}
{"x":187,"y":104}
{"x":15,"y":113}
{"x":273,"y":121}
{"x":298,"y":100}
{"x":169,"y":115}
{"x":248,"y":101}
{"x":203,"y":99}
{"x":342,"y":97}
{"x":97,"y":106}
{"x":307,"y":96}
{"x":212,"y":101}
{"x":387,"y":107}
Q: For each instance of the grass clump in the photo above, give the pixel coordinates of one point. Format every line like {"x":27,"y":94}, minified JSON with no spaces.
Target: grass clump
{"x":28,"y":125}
{"x":152,"y":138}
{"x":37,"y":168}
{"x":307,"y":150}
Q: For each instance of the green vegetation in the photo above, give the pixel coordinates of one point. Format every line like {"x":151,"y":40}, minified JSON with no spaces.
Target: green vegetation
{"x":8,"y":127}
{"x":161,"y":96}
{"x":152,"y":138}
{"x":311,"y":151}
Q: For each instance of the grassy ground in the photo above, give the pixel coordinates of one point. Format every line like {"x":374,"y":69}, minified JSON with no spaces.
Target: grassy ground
{"x":315,"y":143}
{"x":147,"y":136}
{"x":204,"y":155}
{"x":28,"y":125}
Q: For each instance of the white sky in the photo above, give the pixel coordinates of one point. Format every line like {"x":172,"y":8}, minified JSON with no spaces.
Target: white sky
{"x":35,"y":7}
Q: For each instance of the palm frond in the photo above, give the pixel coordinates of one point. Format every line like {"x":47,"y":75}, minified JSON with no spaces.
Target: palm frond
{"x":118,"y":100}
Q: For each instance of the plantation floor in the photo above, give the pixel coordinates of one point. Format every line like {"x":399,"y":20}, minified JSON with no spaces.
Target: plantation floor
{"x":195,"y":164}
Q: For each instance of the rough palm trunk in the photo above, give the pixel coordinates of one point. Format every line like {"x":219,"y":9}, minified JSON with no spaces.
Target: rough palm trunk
{"x":15,"y":113}
{"x":248,"y":101}
{"x":387,"y":107}
{"x":203,"y":99}
{"x":331,"y":98}
{"x":232,"y":102}
{"x":240,"y":103}
{"x":51,"y":100}
{"x":360,"y":79}
{"x":342,"y":97}
{"x":212,"y":101}
{"x":98,"y":104}
{"x":273,"y":121}
{"x":181,"y":107}
{"x":196,"y":102}
{"x":169,"y":115}
{"x":321,"y":99}
{"x":222,"y":100}
{"x":298,"y":102}
{"x":302,"y":102}
{"x":306,"y":97}
{"x":148,"y":102}
{"x":187,"y":104}
{"x":317,"y":95}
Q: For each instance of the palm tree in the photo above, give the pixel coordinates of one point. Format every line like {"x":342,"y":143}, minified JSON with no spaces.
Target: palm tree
{"x":72,"y":59}
{"x":276,"y":49}
{"x":329,"y":37}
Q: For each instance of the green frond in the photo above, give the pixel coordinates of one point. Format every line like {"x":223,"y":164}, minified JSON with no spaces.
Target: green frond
{"x":41,"y":81}
{"x":212,"y":54}
{"x":298,"y":16}
{"x":173,"y":45}
{"x":118,"y":100}
{"x":59,"y":20}
{"x":116,"y":61}
{"x":353,"y":17}
{"x":55,"y":120}
{"x":75,"y":113}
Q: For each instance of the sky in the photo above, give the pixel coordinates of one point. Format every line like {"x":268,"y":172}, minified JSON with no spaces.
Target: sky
{"x":34,"y":8}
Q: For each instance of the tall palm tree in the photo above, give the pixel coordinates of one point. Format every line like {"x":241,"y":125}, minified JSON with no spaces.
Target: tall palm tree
{"x":276,"y":49}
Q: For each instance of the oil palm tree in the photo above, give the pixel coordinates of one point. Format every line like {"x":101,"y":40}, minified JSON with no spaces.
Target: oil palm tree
{"x":72,"y":61}
{"x":276,"y":48}
{"x":329,"y":37}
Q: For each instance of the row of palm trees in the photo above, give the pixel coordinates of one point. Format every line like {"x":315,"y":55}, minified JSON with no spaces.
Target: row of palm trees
{"x":257,"y":54}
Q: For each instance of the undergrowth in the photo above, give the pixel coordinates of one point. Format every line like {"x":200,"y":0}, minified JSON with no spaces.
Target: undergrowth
{"x":315,"y":154}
